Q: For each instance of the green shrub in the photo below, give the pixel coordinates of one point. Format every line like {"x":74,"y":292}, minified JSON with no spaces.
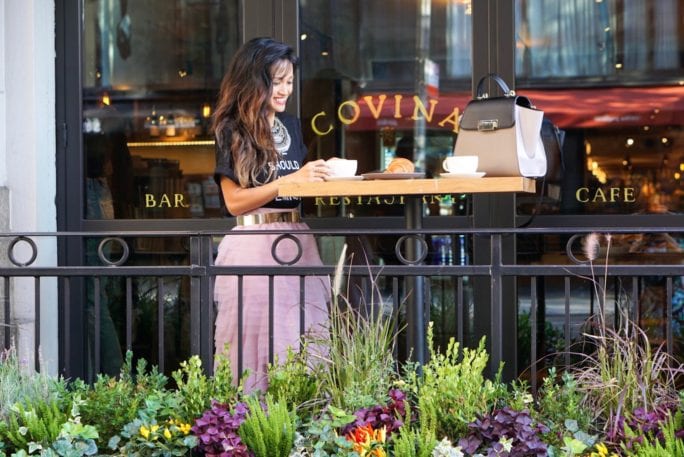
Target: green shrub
{"x":110,"y":403}
{"x":156,"y":430}
{"x":269,"y":433}
{"x":320,"y":437}
{"x":293,"y":382}
{"x":36,"y":423}
{"x":20,"y":385}
{"x":358,"y":368}
{"x":453,"y":385}
{"x":196,"y":390}
{"x":558,"y":403}
{"x":418,"y":442}
{"x":36,"y":430}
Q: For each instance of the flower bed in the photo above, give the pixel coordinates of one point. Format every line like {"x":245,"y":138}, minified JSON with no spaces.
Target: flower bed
{"x":449,"y":410}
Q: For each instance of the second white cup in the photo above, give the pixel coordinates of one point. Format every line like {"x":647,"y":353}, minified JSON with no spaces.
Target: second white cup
{"x":460,"y":164}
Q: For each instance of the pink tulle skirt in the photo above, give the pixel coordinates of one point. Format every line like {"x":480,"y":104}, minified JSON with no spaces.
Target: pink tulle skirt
{"x":255,"y":250}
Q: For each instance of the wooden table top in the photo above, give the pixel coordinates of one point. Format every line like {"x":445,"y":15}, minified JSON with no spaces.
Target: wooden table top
{"x":407,"y":187}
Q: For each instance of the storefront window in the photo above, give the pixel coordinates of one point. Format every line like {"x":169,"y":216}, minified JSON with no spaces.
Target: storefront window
{"x":381,"y":80}
{"x":151,"y":71}
{"x":609,"y":73}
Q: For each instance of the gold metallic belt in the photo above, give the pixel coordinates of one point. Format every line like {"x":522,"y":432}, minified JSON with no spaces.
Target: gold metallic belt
{"x":268,"y":218}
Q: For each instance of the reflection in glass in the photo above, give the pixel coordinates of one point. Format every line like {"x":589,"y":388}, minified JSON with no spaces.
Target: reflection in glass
{"x":617,"y":39}
{"x":151,"y":71}
{"x":607,"y":72}
{"x":383,"y":80}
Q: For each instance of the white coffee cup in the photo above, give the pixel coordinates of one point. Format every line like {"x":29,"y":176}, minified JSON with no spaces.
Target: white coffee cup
{"x":342,"y":167}
{"x":460,"y":164}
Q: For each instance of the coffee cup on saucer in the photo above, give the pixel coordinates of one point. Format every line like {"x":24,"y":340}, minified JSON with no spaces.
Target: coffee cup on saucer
{"x":460,"y":164}
{"x":342,"y":168}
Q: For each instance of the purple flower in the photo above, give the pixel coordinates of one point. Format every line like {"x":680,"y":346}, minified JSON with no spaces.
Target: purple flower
{"x":487,"y":432}
{"x":378,"y":416}
{"x":217,"y":431}
{"x":642,"y":423}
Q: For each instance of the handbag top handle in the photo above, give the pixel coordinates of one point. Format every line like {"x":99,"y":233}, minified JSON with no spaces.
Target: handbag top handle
{"x":499,"y":81}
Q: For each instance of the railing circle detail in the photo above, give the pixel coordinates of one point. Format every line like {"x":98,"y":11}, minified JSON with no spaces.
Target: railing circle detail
{"x":401,"y":241}
{"x":568,"y":249}
{"x":124,"y":254}
{"x":276,"y":242}
{"x":12,"y":245}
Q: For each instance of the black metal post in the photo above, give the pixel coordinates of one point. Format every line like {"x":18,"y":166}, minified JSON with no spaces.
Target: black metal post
{"x":415,"y":301}
{"x":496,"y":303}
{"x":206,"y":307}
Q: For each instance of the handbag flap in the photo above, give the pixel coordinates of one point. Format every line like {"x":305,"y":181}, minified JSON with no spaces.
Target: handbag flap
{"x":492,"y":113}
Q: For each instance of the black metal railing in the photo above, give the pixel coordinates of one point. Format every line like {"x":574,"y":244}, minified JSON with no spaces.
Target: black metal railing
{"x":450,"y":297}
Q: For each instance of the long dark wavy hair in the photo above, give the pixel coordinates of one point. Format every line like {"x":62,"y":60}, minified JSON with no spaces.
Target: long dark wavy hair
{"x":242,"y":108}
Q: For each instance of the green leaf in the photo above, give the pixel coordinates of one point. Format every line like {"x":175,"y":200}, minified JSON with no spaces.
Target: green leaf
{"x":571,"y":425}
{"x":62,"y":446}
{"x":91,"y":448}
{"x":586,"y":438}
{"x":114,"y":442}
{"x":573,"y":445}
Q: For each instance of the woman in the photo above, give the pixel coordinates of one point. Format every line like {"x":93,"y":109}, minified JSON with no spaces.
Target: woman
{"x":259,"y":146}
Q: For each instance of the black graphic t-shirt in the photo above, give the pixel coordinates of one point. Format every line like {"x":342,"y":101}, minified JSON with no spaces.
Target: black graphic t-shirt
{"x":290,"y":161}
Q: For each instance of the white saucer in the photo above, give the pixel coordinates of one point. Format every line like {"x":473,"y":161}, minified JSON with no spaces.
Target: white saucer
{"x":344,"y":178}
{"x":477,"y":174}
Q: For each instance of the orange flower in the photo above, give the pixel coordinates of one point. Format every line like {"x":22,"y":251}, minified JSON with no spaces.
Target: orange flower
{"x":367,"y":441}
{"x":361,"y":437}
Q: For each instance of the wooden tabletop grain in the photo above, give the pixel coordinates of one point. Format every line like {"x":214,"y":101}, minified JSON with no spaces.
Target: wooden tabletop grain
{"x":407,"y":187}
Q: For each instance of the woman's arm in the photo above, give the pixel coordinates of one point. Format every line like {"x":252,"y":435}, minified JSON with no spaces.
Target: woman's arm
{"x":240,"y":200}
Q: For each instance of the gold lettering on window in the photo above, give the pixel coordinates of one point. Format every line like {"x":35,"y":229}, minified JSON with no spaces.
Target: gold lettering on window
{"x":165,"y":201}
{"x":350,"y":111}
{"x":607,"y":195}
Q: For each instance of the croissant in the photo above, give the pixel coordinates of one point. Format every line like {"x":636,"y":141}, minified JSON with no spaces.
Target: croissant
{"x":400,"y":165}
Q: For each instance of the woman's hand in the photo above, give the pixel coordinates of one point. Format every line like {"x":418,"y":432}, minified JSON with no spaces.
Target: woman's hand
{"x":314,"y":171}
{"x":240,"y":200}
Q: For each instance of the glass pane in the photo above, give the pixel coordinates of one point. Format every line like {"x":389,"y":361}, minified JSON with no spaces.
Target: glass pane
{"x":609,"y":73}
{"x":382,"y":80}
{"x":616,"y":40}
{"x":151,"y":72}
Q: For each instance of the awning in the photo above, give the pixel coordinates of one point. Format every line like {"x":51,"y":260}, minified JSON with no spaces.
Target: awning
{"x":613,"y":107}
